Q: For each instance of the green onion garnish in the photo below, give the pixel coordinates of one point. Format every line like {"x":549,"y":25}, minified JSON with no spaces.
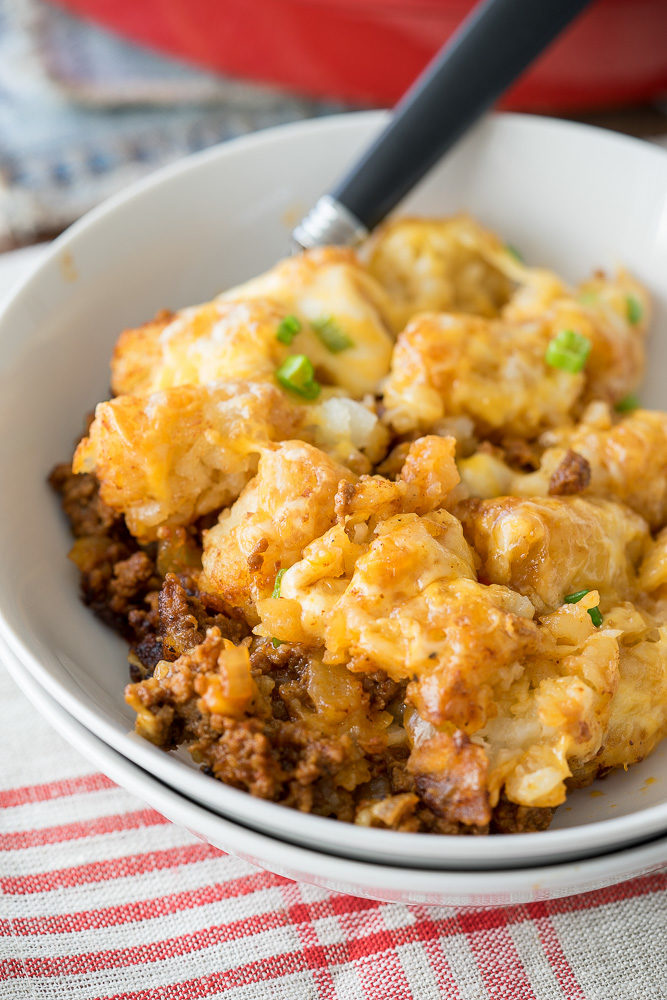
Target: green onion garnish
{"x":568,"y":351}
{"x":627,"y":404}
{"x":297,"y":374}
{"x":288,"y":329}
{"x":596,"y":617}
{"x":576,"y":597}
{"x":279,"y":579}
{"x":595,"y":614}
{"x":633,"y":308}
{"x":331,"y":335}
{"x":514,"y":252}
{"x":276,"y":642}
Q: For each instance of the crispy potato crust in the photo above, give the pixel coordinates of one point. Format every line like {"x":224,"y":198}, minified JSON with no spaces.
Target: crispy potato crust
{"x":170,"y":457}
{"x":429,"y":594}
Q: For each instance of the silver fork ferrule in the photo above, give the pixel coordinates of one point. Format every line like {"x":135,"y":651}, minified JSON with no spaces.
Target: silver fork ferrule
{"x":329,"y":222}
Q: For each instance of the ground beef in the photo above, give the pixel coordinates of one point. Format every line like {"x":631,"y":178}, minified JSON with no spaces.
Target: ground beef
{"x":283,"y":760}
{"x":572,"y":475}
{"x":285,"y":665}
{"x":344,"y":496}
{"x":511,"y":818}
{"x":147,"y":649}
{"x":521,"y":454}
{"x":287,"y":659}
{"x":185,"y":613}
{"x":85,"y":511}
{"x":115,"y":582}
{"x":242,"y":756}
{"x":120,"y":581}
{"x":131,"y":576}
{"x":177,"y":625}
{"x":117,"y":576}
{"x":309,"y":764}
{"x":273,"y":752}
{"x":381,"y":689}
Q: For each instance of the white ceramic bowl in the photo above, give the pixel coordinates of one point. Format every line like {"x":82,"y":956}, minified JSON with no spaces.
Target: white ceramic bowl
{"x":571,"y":197}
{"x":437,"y":887}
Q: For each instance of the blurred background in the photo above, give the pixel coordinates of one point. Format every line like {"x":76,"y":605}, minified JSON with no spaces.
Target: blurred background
{"x":96,"y":93}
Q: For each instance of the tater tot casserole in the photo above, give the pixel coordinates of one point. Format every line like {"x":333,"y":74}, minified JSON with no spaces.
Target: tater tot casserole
{"x":386,"y":531}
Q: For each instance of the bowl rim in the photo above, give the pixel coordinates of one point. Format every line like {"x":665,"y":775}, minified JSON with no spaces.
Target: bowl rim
{"x":240,"y":144}
{"x":451,"y":849}
{"x":317,"y":866}
{"x":619,"y":829}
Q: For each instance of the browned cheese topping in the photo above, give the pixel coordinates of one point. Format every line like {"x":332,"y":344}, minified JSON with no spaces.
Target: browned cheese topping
{"x":386,"y":538}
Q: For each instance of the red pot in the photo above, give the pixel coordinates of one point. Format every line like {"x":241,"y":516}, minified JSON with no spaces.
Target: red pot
{"x":370,"y":50}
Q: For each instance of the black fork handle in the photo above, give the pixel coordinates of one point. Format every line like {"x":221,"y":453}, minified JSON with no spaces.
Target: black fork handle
{"x":488,"y":52}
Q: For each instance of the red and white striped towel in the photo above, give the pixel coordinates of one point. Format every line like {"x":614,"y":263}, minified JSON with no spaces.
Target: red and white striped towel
{"x":101,"y":897}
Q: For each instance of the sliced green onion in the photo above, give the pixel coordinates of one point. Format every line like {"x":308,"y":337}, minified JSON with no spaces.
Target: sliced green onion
{"x":514,"y":252}
{"x":297,"y":374}
{"x":568,"y":351}
{"x":596,"y":616}
{"x":288,"y":329}
{"x":276,"y":642}
{"x":331,"y":335}
{"x":627,"y":404}
{"x":279,"y":580}
{"x":634,"y":309}
{"x":576,"y":597}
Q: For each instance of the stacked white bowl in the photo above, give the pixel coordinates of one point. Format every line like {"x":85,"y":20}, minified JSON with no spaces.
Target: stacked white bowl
{"x":571,"y":197}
